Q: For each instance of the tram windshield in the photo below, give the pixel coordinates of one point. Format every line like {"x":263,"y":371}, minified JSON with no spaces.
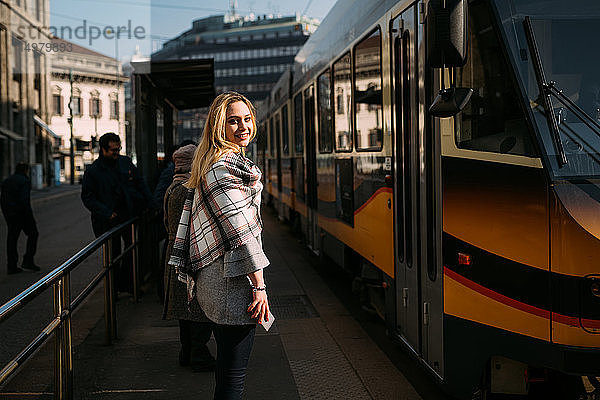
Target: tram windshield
{"x":566,"y":35}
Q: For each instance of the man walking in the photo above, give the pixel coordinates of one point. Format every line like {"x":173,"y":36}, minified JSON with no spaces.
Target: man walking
{"x":16,"y":207}
{"x":114,"y":192}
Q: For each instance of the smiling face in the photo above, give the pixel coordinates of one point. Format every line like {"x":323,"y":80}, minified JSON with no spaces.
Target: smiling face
{"x":238,"y":124}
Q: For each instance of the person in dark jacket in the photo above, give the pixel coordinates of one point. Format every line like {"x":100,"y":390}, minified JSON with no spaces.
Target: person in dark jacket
{"x":164,"y":181}
{"x":114,"y":191}
{"x":16,"y":207}
{"x":194,"y":327}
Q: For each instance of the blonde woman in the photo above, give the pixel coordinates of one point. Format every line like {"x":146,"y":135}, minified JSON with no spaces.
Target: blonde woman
{"x":218,"y":249}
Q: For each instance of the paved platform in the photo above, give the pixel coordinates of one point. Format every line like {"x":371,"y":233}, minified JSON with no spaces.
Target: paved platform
{"x":315,"y":349}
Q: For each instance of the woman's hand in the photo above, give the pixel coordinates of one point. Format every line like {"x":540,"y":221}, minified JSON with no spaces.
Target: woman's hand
{"x":260,"y":306}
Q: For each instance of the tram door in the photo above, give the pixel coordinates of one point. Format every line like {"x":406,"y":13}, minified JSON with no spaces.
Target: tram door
{"x":311,"y":167}
{"x":417,"y":198}
{"x":406,"y":168}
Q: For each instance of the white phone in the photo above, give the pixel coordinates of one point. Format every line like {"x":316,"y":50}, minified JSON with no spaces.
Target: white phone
{"x":267,"y":324}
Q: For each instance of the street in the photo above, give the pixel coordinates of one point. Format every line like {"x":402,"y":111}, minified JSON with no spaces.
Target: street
{"x":64,"y":228}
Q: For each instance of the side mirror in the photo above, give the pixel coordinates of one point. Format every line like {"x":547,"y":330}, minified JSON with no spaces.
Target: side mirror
{"x":450,"y":102}
{"x":446,"y":33}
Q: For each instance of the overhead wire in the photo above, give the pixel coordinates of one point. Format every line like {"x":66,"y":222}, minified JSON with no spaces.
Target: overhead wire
{"x":307,"y":7}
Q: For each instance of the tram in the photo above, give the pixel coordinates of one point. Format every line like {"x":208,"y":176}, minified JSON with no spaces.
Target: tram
{"x":447,"y":153}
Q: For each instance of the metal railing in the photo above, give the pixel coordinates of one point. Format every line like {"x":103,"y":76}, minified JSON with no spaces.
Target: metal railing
{"x":60,"y":282}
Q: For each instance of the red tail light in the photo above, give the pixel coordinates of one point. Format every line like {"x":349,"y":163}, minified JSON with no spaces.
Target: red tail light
{"x":464,"y":259}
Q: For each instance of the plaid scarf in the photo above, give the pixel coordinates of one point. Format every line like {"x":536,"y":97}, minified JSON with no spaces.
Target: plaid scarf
{"x":223,"y":213}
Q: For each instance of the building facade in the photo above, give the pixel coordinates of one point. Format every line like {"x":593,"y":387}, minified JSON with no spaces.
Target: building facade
{"x":95,"y":83}
{"x":250,"y":54}
{"x":24,"y":80}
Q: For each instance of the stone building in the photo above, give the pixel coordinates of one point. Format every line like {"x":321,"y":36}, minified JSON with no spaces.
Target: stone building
{"x":98,"y":95}
{"x":24,"y":78}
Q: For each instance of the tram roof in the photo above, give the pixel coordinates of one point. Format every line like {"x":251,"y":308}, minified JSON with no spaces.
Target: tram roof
{"x":345,"y":24}
{"x":184,"y":83}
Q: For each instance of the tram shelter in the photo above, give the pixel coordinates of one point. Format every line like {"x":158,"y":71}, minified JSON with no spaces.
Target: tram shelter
{"x":161,"y":89}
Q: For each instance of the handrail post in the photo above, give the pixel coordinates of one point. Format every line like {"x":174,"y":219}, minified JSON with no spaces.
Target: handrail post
{"x":113,"y":289}
{"x":134,"y":260}
{"x":58,"y":347}
{"x":107,"y":293}
{"x":67,"y":339}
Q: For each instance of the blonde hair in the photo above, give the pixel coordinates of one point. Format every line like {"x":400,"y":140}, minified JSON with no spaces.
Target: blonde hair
{"x":214,"y":144}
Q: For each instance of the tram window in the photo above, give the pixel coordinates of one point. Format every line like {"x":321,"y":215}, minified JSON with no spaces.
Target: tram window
{"x":493,"y":120}
{"x":342,"y":84}
{"x":368,"y":120}
{"x":298,"y":137}
{"x":277,"y":135}
{"x":272,"y":142}
{"x":324,"y":103}
{"x":261,"y":139}
{"x":285,"y":140}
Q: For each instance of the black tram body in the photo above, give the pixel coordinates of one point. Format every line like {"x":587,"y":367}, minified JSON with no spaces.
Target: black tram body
{"x":478,"y":248}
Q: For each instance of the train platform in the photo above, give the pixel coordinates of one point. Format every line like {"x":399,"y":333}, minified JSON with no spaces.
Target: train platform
{"x":315,"y":350}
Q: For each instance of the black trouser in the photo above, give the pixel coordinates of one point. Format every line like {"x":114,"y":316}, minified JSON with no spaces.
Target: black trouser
{"x":15,"y":226}
{"x":234,"y":344}
{"x":193,"y":337}
{"x":124,"y":268}
{"x":123,"y":271}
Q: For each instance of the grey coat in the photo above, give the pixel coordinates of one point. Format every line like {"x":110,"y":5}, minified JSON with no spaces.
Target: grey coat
{"x":223,"y":290}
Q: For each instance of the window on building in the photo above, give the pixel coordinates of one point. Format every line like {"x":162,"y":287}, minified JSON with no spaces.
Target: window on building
{"x":17,"y":71}
{"x":37,"y":82}
{"x":57,"y":106}
{"x":367,"y":91}
{"x":95,"y":105}
{"x":343,"y":111}
{"x":270,"y":35}
{"x":76,"y":106}
{"x":285,"y":140}
{"x":324,"y":110}
{"x":114,"y":109}
{"x":76,"y":102}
